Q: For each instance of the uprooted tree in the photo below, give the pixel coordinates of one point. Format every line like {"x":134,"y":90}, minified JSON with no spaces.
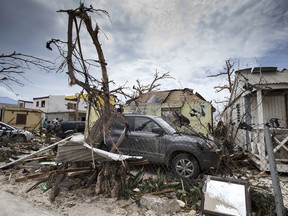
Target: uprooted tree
{"x":83,"y":72}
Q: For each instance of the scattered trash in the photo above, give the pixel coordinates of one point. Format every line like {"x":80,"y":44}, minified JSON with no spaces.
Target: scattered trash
{"x":43,"y":186}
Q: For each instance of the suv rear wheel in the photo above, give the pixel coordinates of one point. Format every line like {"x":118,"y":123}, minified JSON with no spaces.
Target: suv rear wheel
{"x":185,"y":166}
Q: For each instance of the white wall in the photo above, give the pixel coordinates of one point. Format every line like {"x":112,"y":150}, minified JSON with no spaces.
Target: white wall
{"x":57,"y":103}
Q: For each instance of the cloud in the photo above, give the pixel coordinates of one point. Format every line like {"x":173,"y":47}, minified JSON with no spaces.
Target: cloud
{"x":190,"y":39}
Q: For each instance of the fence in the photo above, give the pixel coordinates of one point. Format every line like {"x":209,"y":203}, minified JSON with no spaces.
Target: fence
{"x":262,"y":150}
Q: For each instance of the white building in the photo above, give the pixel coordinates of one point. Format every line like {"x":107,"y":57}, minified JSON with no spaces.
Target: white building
{"x":260,"y":98}
{"x":62,"y":107}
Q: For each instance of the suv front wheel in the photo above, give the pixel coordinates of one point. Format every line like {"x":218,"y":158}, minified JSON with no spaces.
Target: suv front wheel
{"x":185,"y":166}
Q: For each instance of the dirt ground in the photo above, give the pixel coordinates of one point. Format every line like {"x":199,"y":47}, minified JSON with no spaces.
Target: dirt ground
{"x":82,"y":201}
{"x":67,"y":202}
{"x":72,"y":202}
{"x":75,"y":202}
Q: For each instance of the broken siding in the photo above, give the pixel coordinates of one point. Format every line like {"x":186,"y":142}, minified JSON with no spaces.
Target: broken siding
{"x":180,"y":96}
{"x":186,"y":101}
{"x":161,"y":95}
{"x":202,"y":118}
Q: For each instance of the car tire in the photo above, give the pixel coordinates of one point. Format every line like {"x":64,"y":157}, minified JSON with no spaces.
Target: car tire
{"x":69,"y":133}
{"x":186,"y":166}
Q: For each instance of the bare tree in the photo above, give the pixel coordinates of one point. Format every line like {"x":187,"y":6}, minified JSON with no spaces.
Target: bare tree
{"x":83,"y":72}
{"x":222,"y":131}
{"x":142,"y":89}
{"x":229,"y":72}
{"x":14,"y":65}
{"x":80,"y":20}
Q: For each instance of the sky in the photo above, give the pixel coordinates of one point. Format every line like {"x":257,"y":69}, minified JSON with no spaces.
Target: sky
{"x":190,"y":39}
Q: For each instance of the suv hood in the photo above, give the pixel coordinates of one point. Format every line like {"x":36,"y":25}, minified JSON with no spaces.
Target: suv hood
{"x":204,"y":143}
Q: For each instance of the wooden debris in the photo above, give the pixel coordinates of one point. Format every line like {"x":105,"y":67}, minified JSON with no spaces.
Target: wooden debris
{"x":138,"y":162}
{"x":93,"y":177}
{"x":51,"y":172}
{"x":76,"y":173}
{"x":34,"y":154}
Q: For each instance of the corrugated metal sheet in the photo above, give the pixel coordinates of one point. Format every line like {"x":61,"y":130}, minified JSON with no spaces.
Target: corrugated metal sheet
{"x":262,"y":78}
{"x":78,"y":150}
{"x":73,"y":151}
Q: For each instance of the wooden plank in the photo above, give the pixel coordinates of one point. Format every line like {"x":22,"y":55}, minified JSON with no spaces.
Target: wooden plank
{"x":280,"y":144}
{"x":50,"y":172}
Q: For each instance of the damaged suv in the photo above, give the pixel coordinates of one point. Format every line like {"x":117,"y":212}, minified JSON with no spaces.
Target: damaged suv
{"x":159,"y":143}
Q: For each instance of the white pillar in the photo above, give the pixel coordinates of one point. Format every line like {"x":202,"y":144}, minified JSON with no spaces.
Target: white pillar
{"x":260,"y":113}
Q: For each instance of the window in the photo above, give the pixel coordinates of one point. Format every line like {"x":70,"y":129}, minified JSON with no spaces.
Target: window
{"x":42,"y":103}
{"x":37,"y":103}
{"x":144,"y":124}
{"x":21,"y":105}
{"x":21,"y":119}
{"x":71,"y":106}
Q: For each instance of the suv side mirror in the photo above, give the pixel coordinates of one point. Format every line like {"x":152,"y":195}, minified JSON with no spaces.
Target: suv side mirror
{"x":158,"y":130}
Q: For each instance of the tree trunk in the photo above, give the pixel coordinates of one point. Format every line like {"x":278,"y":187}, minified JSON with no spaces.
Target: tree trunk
{"x":96,"y":134}
{"x":110,"y":179}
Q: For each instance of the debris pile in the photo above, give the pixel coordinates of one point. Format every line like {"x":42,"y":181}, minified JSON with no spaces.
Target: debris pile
{"x":40,"y":164}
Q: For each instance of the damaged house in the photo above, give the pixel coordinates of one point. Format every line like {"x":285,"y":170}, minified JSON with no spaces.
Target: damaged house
{"x":180,"y":107}
{"x":24,"y":118}
{"x":20,"y":114}
{"x":259,"y":98}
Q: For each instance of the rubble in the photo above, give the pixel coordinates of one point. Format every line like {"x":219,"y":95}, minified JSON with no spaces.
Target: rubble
{"x":37,"y":175}
{"x":160,"y":205}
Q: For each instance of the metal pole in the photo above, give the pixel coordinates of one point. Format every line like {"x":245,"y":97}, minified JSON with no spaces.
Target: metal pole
{"x":280,"y":209}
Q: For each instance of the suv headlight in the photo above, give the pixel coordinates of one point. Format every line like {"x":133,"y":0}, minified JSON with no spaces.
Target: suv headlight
{"x":211,"y":144}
